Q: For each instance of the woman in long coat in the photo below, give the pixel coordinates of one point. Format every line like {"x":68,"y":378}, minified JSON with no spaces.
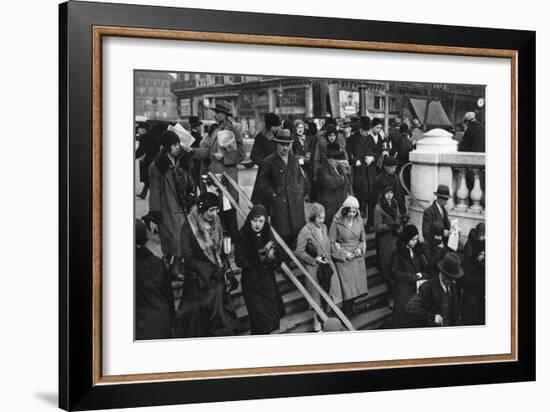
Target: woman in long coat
{"x":171,"y":196}
{"x":315,"y":232}
{"x":408,"y":265}
{"x":333,"y":182}
{"x":348,"y":246}
{"x":255,"y":253}
{"x":205,"y":308}
{"x":387,"y":224}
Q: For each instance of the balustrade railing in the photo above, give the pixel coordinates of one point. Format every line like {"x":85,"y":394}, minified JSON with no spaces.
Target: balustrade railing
{"x":469,"y":186}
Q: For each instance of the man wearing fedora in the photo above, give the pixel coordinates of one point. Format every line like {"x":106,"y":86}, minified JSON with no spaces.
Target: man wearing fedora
{"x":263,"y":146}
{"x":224,"y":159}
{"x":283,"y":185}
{"x":436,"y":213}
{"x":439,"y":300}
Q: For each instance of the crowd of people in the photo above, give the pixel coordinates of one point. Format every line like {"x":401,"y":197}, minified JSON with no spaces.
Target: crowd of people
{"x":322,"y":188}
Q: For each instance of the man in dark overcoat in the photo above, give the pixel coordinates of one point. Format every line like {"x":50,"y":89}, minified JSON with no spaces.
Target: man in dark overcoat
{"x":439,"y":300}
{"x":263,"y":146}
{"x":333,"y":183}
{"x":283,"y":185}
{"x":436,"y":213}
{"x":474,"y":136}
{"x":363,"y":155}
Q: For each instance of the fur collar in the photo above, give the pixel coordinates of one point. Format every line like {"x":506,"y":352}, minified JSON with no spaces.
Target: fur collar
{"x":211,"y":244}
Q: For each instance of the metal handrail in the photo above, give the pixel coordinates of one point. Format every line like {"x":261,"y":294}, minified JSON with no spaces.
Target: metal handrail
{"x":343,"y":318}
{"x":284,"y":266}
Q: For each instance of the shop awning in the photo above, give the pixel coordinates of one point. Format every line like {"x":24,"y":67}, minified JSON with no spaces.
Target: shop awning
{"x":436,"y":112}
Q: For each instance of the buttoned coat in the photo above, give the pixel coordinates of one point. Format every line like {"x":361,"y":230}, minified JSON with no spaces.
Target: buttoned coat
{"x":353,"y":273}
{"x":263,"y":146}
{"x":283,"y":187}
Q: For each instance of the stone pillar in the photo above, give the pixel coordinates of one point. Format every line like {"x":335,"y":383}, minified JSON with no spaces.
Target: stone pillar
{"x":427,"y":171}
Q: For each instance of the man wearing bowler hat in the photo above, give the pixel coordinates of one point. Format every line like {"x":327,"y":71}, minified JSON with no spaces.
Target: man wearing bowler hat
{"x":224,"y":159}
{"x":439,"y":300}
{"x":283,"y":185}
{"x":436,"y":213}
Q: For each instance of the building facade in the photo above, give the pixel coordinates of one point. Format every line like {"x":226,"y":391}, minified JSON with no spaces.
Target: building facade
{"x":153,"y":98}
{"x":435,"y":105}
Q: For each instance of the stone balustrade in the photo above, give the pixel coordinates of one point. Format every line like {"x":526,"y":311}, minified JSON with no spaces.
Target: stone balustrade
{"x":437,"y":161}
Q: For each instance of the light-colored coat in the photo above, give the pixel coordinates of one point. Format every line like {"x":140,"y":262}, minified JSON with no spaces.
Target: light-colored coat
{"x":311,"y":265}
{"x":353,"y":273}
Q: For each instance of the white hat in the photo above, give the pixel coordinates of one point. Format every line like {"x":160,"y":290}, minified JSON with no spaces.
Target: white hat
{"x":351,"y":201}
{"x":469,"y":116}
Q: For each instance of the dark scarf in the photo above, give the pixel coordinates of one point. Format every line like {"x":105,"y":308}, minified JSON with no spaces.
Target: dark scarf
{"x":209,"y":242}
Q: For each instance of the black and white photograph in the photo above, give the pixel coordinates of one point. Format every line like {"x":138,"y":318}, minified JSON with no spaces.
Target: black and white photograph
{"x":269,"y":205}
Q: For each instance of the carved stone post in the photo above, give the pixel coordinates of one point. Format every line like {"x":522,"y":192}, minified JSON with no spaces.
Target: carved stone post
{"x":476,"y":194}
{"x":462,"y":192}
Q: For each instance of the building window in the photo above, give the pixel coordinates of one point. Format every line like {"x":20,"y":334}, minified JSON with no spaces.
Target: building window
{"x":379,"y":103}
{"x":392,"y":104}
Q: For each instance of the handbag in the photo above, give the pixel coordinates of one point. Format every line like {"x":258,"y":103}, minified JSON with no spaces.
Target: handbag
{"x":311,"y":249}
{"x":324,"y":275}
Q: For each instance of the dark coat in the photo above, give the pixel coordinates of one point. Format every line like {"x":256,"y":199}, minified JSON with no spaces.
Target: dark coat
{"x":430,"y":216}
{"x":260,"y":291}
{"x":358,"y":146}
{"x":263,"y":146}
{"x":387,"y":224}
{"x":333,"y":186}
{"x":149,"y":146}
{"x":154,"y":297}
{"x":171,"y":194}
{"x":383,"y":180}
{"x":474,"y":138}
{"x":401,"y":147}
{"x":474,"y":280}
{"x":205,"y":308}
{"x":283,"y":187}
{"x":431,"y":299}
{"x":404,"y":269}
